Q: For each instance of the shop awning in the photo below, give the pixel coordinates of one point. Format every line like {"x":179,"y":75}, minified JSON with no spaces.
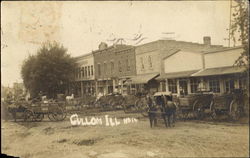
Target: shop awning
{"x":220,"y":71}
{"x":141,"y":79}
{"x":181,"y":74}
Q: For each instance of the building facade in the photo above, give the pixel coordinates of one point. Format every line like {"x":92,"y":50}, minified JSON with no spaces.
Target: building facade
{"x":188,"y":72}
{"x":84,"y":79}
{"x":113,"y":65}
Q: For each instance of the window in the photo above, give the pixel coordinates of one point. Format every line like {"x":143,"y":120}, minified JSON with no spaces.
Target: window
{"x":242,"y":83}
{"x":150,"y":61}
{"x":128,"y":64}
{"x":79,"y":72}
{"x":105,"y":68}
{"x":229,"y":85}
{"x":112,"y":66}
{"x":92,"y":70}
{"x":142,"y":64}
{"x":214,"y":85}
{"x":86,"y":73}
{"x":89,"y":70}
{"x":83,"y":72}
{"x":120,"y":66}
{"x":194,"y":85}
{"x":172,"y":85}
{"x":99,"y":69}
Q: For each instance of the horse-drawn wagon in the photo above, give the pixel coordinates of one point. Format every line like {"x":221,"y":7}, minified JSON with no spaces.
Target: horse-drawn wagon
{"x":231,"y":104}
{"x":135,"y":103}
{"x":111,"y":101}
{"x":35,"y":111}
{"x":198,"y":104}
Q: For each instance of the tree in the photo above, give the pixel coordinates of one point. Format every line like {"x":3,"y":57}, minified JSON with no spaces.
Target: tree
{"x":240,"y":29}
{"x":49,"y":71}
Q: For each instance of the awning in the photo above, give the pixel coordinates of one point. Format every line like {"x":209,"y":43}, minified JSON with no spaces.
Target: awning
{"x":181,"y":74}
{"x":220,"y":71}
{"x":141,"y":79}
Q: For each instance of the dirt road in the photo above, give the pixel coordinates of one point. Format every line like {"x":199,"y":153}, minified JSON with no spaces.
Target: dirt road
{"x":134,"y":139}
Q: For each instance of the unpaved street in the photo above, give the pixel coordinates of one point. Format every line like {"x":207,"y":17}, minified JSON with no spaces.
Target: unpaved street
{"x":186,"y":139}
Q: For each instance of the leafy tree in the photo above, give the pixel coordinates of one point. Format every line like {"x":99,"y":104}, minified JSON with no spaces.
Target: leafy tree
{"x":49,"y":71}
{"x":240,"y":29}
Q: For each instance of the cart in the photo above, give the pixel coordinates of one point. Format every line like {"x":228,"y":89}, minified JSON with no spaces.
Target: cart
{"x":198,"y":104}
{"x":231,"y":104}
{"x":54,"y":110}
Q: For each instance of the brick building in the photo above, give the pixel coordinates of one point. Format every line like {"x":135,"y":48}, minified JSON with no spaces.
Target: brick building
{"x":113,"y":65}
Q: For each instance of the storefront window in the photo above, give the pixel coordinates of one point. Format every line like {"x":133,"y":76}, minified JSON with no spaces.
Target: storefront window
{"x":214,"y":85}
{"x":172,"y":85}
{"x":194,"y":85}
{"x":229,"y":85}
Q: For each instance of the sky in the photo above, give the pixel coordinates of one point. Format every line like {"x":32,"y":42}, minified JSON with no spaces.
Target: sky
{"x":80,"y":26}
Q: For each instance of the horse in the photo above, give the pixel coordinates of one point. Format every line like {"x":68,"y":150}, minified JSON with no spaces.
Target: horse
{"x":161,"y":106}
{"x":68,"y":98}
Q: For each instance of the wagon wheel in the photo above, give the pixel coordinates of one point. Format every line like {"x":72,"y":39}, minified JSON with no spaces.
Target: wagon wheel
{"x":142,"y":107}
{"x":38,"y":116}
{"x":185,"y":114}
{"x":234,"y":111}
{"x":50,"y":116}
{"x":213,"y":114}
{"x":59,"y":114}
{"x":112,"y":105}
{"x":198,"y":110}
{"x":28,"y":115}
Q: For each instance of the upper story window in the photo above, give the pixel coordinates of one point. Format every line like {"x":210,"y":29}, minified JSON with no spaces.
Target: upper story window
{"x":150,"y":61}
{"x":79,"y":72}
{"x":92,"y":70}
{"x":82,"y":71}
{"x":105,"y":68}
{"x":86,"y":71}
{"x":112,"y":66}
{"x":142,"y":64}
{"x":99,"y":69}
{"x":128,"y":64}
{"x":214,"y":85}
{"x":120,"y":66}
{"x":89,"y":70}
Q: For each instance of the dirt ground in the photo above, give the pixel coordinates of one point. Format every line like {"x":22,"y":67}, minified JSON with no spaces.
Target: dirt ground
{"x":132,"y":140}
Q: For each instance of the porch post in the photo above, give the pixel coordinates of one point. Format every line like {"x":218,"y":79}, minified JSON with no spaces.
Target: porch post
{"x":178,"y":86}
{"x":167,"y":90}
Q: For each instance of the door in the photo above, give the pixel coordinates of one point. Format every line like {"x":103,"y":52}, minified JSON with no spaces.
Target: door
{"x":183,"y":87}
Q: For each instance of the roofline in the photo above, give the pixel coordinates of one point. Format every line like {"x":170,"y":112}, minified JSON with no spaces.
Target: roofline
{"x":84,"y":55}
{"x":171,"y":54}
{"x":222,"y":50}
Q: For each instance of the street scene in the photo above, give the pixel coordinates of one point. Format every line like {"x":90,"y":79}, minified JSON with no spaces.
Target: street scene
{"x":125,"y":79}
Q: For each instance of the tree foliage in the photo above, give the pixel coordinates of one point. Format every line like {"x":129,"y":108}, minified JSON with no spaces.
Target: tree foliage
{"x":240,"y":29}
{"x":49,"y":71}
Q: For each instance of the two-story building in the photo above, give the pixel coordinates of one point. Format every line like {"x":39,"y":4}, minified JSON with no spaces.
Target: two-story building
{"x":113,"y":65}
{"x":84,"y":79}
{"x":150,"y":61}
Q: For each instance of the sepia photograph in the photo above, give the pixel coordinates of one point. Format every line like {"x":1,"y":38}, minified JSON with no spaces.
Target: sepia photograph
{"x":125,"y":79}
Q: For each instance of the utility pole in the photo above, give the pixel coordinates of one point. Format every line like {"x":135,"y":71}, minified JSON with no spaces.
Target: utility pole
{"x":230,"y":23}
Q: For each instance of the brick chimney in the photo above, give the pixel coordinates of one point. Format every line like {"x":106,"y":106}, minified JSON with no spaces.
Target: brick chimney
{"x":207,"y":40}
{"x":102,"y":46}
